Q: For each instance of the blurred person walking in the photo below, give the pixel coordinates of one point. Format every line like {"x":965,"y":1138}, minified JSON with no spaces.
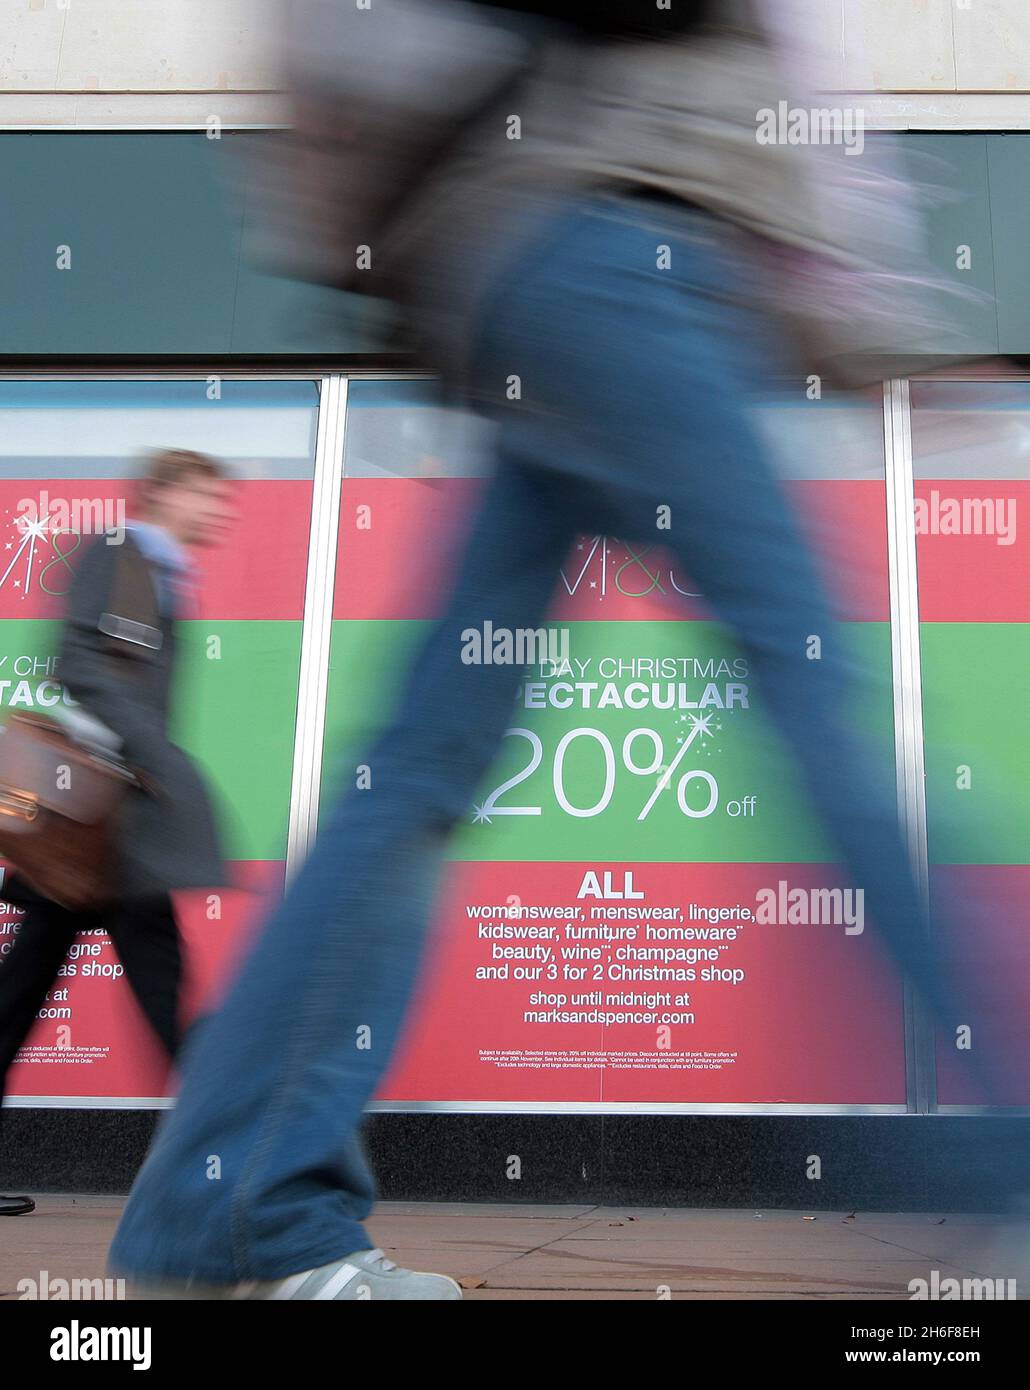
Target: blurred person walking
{"x":120,"y":670}
{"x":599,"y":287}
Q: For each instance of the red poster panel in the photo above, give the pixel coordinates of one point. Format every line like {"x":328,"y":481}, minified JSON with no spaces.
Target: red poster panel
{"x":90,"y":1038}
{"x":972,"y":556}
{"x":991,"y":956}
{"x":398,"y":539}
{"x":655,"y":983}
{"x":259,"y":574}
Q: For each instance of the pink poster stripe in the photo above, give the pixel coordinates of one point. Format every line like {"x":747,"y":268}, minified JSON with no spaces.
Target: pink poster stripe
{"x":399,"y":538}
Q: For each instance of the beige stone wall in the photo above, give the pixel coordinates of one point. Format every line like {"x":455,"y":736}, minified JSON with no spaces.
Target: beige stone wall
{"x":138,"y":62}
{"x":134,"y":45}
{"x":934,"y":45}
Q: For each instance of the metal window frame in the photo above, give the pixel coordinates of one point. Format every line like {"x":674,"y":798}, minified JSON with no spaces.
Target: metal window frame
{"x":911,"y":746}
{"x":329,"y":472}
{"x":907,"y":685}
{"x":316,"y":627}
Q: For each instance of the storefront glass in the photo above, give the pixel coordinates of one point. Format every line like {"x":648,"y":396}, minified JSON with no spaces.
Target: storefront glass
{"x":69,"y":451}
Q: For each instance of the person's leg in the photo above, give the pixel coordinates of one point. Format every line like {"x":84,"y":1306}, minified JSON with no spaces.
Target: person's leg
{"x":657,"y":416}
{"x":26,"y":973}
{"x":30,"y":968}
{"x":146,"y":937}
{"x":258,"y":1173}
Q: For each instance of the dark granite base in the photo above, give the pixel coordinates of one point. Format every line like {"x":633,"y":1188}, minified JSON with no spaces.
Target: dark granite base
{"x":917,"y":1163}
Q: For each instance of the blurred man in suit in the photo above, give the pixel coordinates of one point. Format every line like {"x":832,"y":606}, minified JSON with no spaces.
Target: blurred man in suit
{"x":117,"y":661}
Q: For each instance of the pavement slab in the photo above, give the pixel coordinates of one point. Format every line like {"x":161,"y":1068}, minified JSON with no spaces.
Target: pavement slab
{"x":522,"y":1252}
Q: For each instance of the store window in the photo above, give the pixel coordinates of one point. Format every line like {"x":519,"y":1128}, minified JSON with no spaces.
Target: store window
{"x":971,"y":460}
{"x":69,"y":451}
{"x":571,"y":795}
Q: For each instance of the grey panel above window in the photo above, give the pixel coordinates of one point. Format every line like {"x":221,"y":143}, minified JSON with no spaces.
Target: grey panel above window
{"x":152,"y":229}
{"x":153,"y":225}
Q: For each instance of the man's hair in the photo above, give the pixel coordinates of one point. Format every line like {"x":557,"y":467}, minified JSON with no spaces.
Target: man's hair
{"x":168,"y":467}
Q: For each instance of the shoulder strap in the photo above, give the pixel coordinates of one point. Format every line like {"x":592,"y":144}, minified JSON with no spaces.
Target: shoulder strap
{"x":132,"y":622}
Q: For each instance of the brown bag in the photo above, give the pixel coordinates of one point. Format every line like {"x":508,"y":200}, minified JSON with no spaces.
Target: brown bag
{"x":58,"y":810}
{"x":60,"y":799}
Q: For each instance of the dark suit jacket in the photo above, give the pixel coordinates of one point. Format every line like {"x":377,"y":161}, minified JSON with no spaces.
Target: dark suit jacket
{"x":167,"y":837}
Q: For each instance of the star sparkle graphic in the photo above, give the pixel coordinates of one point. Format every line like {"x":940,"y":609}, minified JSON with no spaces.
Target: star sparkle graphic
{"x":30,"y":533}
{"x":33,"y":530}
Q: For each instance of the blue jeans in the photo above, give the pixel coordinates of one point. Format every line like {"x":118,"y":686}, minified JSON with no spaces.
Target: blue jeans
{"x":634,"y":387}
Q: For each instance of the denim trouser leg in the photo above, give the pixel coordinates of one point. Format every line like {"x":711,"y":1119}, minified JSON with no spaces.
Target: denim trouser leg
{"x":274,"y":1086}
{"x":657,"y":415}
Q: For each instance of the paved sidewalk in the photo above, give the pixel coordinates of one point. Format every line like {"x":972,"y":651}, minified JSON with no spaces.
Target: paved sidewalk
{"x":573,"y":1252}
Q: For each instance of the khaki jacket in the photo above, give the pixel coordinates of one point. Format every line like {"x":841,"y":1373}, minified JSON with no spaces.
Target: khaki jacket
{"x":834,"y":232}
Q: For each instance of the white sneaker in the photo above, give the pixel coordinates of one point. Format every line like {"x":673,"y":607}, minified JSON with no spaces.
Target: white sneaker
{"x":366,"y":1275}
